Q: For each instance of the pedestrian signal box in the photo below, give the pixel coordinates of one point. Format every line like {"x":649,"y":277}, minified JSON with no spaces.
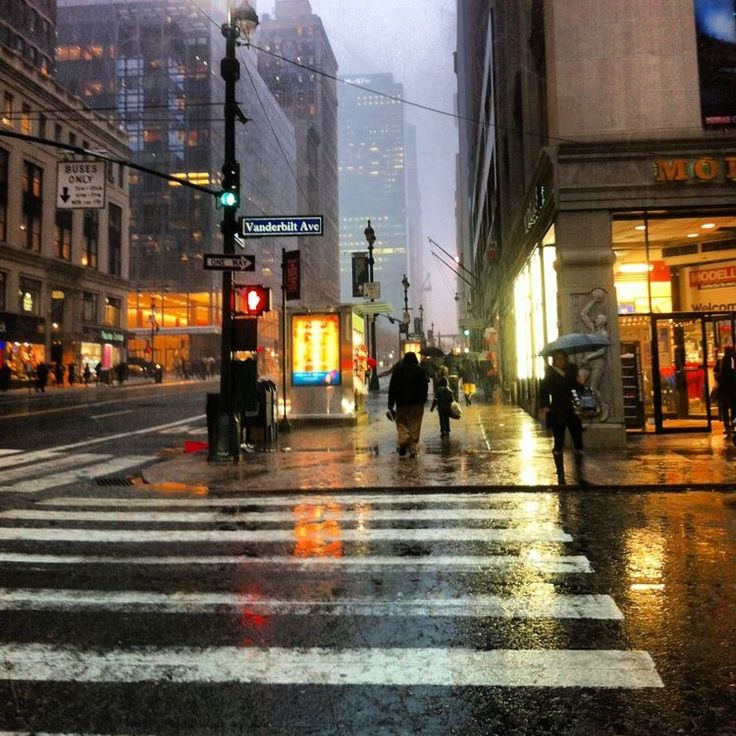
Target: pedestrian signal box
{"x":255,"y":300}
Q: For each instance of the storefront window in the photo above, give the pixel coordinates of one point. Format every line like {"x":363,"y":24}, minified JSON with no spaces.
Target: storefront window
{"x":674,"y":264}
{"x":89,"y":307}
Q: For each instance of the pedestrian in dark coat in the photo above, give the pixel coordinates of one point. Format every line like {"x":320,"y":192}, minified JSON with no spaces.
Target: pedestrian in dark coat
{"x":5,"y":374}
{"x":71,"y":376}
{"x":443,"y":399}
{"x":555,"y":400}
{"x":86,"y":374}
{"x":407,"y":391}
{"x":726,"y":377}
{"x":59,"y":374}
{"x":42,"y":377}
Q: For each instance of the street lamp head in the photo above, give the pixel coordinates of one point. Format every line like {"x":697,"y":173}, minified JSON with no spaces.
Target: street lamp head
{"x":370,"y":234}
{"x":246,"y":20}
{"x":405,"y":282}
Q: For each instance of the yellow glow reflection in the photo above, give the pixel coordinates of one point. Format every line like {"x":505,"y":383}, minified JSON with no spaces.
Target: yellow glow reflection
{"x":317,"y":531}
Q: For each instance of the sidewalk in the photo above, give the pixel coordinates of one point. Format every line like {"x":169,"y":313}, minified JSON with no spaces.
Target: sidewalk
{"x":493,"y":445}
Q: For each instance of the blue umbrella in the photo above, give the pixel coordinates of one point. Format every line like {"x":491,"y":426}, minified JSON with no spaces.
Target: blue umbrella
{"x":576,"y":342}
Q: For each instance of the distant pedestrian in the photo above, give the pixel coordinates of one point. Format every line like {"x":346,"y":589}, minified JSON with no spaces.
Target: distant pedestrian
{"x":407,"y":393}
{"x":5,"y":374}
{"x":560,"y":380}
{"x":442,"y":401}
{"x":726,"y":376}
{"x":59,"y":374}
{"x":469,"y":377}
{"x":71,"y":375}
{"x":98,"y":371}
{"x":42,"y":377}
{"x":86,"y":374}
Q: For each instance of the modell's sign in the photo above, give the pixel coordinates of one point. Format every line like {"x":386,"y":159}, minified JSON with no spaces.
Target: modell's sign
{"x":695,"y":169}
{"x":713,"y":278}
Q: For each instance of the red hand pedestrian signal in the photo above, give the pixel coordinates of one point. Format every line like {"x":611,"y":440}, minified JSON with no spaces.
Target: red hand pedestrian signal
{"x":257,"y":300}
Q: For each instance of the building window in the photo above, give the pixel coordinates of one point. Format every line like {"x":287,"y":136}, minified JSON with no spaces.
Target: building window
{"x":57,"y":132}
{"x":7,"y":109}
{"x":29,"y":296}
{"x":32,"y":205}
{"x":3,"y":284}
{"x":89,"y":307}
{"x":114,"y":240}
{"x":63,"y":235}
{"x":57,"y":308}
{"x":91,"y":238}
{"x":41,"y":125}
{"x":3,"y":194}
{"x":113,"y":311}
{"x":25,"y":119}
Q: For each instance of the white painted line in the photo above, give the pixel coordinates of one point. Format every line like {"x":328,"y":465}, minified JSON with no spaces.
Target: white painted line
{"x":9,"y":452}
{"x":110,"y":414}
{"x":58,"y":463}
{"x":46,"y":733}
{"x":530,"y":533}
{"x":291,"y":517}
{"x":311,"y":666}
{"x":27,"y":457}
{"x":546,"y":605}
{"x":537,"y":501}
{"x":455,"y":563}
{"x":93,"y":471}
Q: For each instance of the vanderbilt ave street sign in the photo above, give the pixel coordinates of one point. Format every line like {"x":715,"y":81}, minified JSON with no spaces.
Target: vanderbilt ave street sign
{"x":274,"y":227}
{"x":219,"y":262}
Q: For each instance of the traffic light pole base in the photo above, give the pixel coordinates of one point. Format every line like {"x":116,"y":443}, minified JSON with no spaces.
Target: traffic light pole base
{"x":226,"y":439}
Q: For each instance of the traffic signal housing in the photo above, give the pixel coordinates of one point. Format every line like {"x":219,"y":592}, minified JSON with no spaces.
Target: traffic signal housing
{"x":230,"y":194}
{"x":256,"y":300}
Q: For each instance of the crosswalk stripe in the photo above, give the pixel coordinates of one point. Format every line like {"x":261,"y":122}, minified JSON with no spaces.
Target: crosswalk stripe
{"x":458,"y":563}
{"x":26,"y":457}
{"x":114,"y":465}
{"x":5,"y":451}
{"x":530,"y":533}
{"x":549,"y":606}
{"x":58,"y":463}
{"x":531,"y":501}
{"x":307,"y":515}
{"x":307,"y":666}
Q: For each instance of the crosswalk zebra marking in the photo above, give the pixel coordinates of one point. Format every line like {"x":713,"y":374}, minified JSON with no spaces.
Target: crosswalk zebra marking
{"x":6,"y":451}
{"x":54,"y":465}
{"x":322,"y":666}
{"x":109,"y":466}
{"x":306,"y":515}
{"x":457,"y":563}
{"x":554,"y":606}
{"x":26,"y":458}
{"x":532,"y":502}
{"x":531,"y":533}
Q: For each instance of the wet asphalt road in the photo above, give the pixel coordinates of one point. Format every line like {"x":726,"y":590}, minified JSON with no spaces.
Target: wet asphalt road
{"x":125,"y":611}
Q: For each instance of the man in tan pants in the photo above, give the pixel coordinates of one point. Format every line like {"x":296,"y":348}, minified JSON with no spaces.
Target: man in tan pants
{"x":407,"y":391}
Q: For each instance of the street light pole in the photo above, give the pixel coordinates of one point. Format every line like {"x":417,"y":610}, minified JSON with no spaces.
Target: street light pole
{"x":227,"y":430}
{"x":406,"y":319}
{"x":370,"y":236}
{"x":152,"y":320}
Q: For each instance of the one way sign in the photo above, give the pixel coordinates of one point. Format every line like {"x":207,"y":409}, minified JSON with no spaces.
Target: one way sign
{"x":220,"y":262}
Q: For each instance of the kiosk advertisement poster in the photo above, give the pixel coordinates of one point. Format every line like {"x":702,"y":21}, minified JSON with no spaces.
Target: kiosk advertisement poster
{"x":315,"y":340}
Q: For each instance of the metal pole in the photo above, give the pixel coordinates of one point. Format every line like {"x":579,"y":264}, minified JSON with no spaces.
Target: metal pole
{"x":373,"y":383}
{"x":227,"y":430}
{"x":285,"y":426}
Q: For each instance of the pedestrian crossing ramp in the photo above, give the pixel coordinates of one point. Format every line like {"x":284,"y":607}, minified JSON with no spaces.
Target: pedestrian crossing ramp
{"x":388,"y":590}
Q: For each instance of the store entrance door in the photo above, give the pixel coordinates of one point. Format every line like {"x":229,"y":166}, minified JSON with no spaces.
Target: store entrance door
{"x":680,"y":379}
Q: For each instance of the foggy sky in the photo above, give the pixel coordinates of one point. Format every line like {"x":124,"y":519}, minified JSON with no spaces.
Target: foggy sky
{"x":414,"y":41}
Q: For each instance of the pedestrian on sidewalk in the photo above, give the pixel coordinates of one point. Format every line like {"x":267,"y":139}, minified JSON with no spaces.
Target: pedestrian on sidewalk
{"x":442,"y":401}
{"x":469,"y":378}
{"x":42,"y":377}
{"x":5,"y":374}
{"x":555,"y":400}
{"x":726,"y":377}
{"x":407,"y":392}
{"x":71,"y":376}
{"x":59,"y":373}
{"x":86,"y":374}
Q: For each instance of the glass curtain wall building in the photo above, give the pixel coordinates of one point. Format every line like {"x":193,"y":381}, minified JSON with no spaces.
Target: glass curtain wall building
{"x":154,"y":67}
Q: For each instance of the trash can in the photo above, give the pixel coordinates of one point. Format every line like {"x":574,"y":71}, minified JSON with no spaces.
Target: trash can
{"x":261,"y":425}
{"x":223,"y":431}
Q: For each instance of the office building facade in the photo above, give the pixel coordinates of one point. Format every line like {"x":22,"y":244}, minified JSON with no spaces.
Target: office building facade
{"x":155,"y":67}
{"x":597,"y":196}
{"x":307,"y":93}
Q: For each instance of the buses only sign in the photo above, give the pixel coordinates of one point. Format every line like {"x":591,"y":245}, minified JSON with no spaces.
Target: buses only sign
{"x":80,"y":185}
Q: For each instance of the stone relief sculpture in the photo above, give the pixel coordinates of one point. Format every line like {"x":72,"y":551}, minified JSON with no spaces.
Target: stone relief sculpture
{"x":593,"y":365}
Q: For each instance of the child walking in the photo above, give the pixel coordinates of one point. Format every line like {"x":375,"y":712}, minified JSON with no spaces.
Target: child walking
{"x":442,"y":399}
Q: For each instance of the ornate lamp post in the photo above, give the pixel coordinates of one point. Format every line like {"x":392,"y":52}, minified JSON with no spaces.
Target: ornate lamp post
{"x":370,"y":236}
{"x":406,"y":318}
{"x":243,"y":20}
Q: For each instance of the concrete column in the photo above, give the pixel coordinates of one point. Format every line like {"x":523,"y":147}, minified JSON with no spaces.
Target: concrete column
{"x":587,"y":303}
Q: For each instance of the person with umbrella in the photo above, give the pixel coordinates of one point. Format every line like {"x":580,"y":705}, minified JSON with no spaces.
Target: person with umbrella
{"x":555,"y":400}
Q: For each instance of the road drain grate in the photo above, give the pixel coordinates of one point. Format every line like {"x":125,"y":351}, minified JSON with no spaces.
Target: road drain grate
{"x":119,"y":481}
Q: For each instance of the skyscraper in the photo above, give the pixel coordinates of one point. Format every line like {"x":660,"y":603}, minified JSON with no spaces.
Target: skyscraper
{"x":154,"y":66}
{"x":309,"y":98}
{"x":372,"y":182}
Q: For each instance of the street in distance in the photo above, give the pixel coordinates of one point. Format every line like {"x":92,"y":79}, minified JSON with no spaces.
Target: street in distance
{"x":263,"y":227}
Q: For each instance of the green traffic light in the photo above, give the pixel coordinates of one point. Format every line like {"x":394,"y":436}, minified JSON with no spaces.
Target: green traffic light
{"x":229,"y":199}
